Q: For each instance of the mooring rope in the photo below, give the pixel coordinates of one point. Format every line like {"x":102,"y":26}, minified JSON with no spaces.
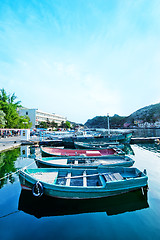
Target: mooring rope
{"x":10,"y":174}
{"x":6,"y":215}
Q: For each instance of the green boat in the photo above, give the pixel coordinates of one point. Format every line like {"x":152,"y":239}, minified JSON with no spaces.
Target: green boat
{"x":81,"y":183}
{"x":84,"y":162}
{"x":95,"y":145}
{"x":124,"y":137}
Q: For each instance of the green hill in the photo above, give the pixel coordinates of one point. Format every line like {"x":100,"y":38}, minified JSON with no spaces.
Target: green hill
{"x":149,"y":114}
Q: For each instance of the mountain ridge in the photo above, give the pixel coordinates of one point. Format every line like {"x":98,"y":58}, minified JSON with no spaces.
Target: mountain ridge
{"x":150,"y":114}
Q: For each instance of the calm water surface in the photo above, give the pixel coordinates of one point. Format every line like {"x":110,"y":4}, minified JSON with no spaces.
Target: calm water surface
{"x":129,"y":216}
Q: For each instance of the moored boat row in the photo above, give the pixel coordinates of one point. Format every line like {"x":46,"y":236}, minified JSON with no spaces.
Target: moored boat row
{"x":83,"y":173}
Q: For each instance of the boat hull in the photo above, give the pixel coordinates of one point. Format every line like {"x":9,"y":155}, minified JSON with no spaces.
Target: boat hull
{"x":54,"y":162}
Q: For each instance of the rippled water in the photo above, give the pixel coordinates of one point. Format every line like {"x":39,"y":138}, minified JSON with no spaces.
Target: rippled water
{"x":128,"y":216}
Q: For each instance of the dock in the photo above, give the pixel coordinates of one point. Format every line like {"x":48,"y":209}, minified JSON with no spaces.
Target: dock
{"x":144,"y":140}
{"x":9,"y":143}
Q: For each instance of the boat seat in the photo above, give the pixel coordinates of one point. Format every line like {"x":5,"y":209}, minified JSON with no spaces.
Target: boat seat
{"x":102,"y":180}
{"x":118,"y":176}
{"x":107,"y":178}
{"x":112,"y":177}
{"x":76,"y":162}
{"x":84,"y":179}
{"x":68,"y":179}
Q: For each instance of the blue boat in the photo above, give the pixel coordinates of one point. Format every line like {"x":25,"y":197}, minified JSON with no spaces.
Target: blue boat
{"x":84,"y":162}
{"x":82,"y":183}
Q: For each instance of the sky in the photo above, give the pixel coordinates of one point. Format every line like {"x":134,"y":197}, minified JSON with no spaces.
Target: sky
{"x":81,"y":58}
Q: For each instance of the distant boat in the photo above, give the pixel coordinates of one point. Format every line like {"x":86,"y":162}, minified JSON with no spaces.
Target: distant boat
{"x":94,"y":145}
{"x":84,"y":162}
{"x":51,"y":151}
{"x":81,"y":183}
{"x":48,"y":206}
{"x":121,"y":137}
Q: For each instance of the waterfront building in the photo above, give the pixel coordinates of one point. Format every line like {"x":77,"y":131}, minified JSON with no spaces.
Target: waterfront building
{"x":36,"y":116}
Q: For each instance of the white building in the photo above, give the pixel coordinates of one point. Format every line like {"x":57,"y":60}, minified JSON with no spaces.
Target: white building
{"x":36,"y":116}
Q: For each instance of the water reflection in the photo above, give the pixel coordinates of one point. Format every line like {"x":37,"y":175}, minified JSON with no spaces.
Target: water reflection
{"x":150,"y":146}
{"x":29,"y":151}
{"x":25,"y":151}
{"x":128,"y":149}
{"x":7,"y":165}
{"x":146,"y":132}
{"x":46,"y":206}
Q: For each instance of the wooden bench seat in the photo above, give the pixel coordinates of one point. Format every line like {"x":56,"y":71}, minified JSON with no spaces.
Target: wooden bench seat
{"x":112,"y":177}
{"x":68,"y":179}
{"x":84,"y":179}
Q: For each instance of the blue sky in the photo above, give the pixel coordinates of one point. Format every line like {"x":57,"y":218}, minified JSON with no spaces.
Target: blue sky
{"x":81,"y":58}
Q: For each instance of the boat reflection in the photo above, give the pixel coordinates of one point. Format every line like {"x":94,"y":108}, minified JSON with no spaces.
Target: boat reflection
{"x":46,"y":206}
{"x":152,"y":147}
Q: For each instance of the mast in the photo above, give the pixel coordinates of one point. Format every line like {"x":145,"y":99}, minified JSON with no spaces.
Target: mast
{"x":108,"y":124}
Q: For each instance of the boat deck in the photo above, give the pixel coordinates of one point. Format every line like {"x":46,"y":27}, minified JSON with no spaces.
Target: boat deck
{"x":48,"y":177}
{"x":86,"y":161}
{"x":84,"y":180}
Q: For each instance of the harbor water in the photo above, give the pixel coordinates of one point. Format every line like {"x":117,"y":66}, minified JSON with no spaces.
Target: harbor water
{"x":128,"y":216}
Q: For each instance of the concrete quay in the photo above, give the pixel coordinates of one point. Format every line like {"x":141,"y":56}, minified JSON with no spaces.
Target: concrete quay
{"x":9,"y":143}
{"x":144,"y":140}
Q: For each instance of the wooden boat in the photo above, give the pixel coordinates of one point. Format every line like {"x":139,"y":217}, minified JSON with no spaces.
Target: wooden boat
{"x":95,"y":145}
{"x":84,"y":162}
{"x":81,"y":183}
{"x":113,"y":137}
{"x":50,"y":151}
{"x":49,"y":206}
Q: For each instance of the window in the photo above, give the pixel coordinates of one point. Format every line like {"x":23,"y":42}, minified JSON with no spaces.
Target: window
{"x":26,"y":113}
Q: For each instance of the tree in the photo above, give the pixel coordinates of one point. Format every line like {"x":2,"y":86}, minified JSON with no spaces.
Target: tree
{"x":53,"y":124}
{"x":65,"y":124}
{"x":43,"y":125}
{"x":2,"y":119}
{"x":9,"y":107}
{"x":24,"y":122}
{"x":68,"y":124}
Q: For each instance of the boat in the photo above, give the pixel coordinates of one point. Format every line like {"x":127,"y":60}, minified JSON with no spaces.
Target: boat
{"x":51,"y":151}
{"x":82,"y":183}
{"x":94,"y":145}
{"x":84,"y":162}
{"x":121,"y":137}
{"x":49,"y":206}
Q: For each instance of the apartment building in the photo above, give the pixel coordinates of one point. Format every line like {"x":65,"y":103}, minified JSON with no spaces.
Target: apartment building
{"x":36,"y":116}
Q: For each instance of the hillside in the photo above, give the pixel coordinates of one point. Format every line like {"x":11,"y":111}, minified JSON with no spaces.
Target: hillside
{"x":149,"y":114}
